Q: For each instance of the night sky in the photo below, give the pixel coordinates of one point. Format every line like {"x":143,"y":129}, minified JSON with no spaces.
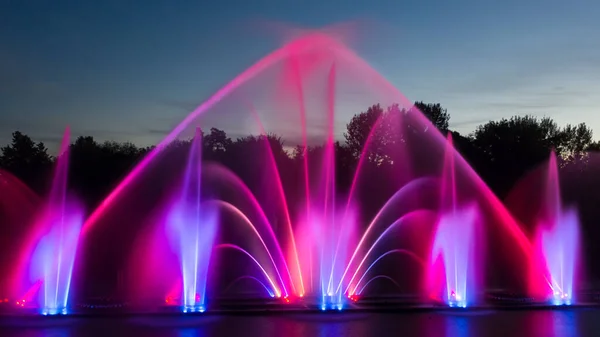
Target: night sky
{"x":131,"y":70}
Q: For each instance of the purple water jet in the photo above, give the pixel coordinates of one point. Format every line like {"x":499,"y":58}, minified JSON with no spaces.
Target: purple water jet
{"x":328,"y":258}
{"x":192,"y":227}
{"x":325,"y":246}
{"x":52,"y":261}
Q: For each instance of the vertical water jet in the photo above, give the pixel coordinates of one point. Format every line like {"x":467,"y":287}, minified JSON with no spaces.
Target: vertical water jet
{"x":557,"y":240}
{"x":52,"y":261}
{"x":192,"y":227}
{"x":453,"y":262}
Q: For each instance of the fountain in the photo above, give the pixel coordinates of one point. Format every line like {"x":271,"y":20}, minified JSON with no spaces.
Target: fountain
{"x":454,"y":265}
{"x":326,"y":246}
{"x":558,"y":240}
{"x":191,"y":227}
{"x":454,"y":243}
{"x":307,"y":244}
{"x":52,"y":260}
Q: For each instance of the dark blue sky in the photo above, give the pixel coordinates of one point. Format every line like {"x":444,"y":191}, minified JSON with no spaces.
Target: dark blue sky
{"x":131,"y":70}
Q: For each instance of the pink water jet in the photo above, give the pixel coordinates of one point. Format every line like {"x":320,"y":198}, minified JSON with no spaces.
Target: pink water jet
{"x":325,"y":245}
{"x":56,"y":237}
{"x":19,"y":206}
{"x":557,"y":242}
{"x":454,"y":268}
{"x":319,"y":239}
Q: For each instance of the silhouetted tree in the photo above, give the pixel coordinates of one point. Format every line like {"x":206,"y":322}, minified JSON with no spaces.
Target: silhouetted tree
{"x":575,"y":141}
{"x":216,"y":144}
{"x":436,"y":114}
{"x":27,"y":160}
{"x":511,"y":147}
{"x":96,"y":168}
{"x":594,"y":146}
{"x":359,"y":128}
{"x":373,"y":133}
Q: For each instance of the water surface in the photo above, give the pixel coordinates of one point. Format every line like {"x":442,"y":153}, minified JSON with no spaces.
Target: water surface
{"x":547,"y":323}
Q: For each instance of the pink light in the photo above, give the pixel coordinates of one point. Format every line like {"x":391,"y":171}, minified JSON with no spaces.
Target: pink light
{"x":276,"y":289}
{"x":308,"y":42}
{"x":285,"y":206}
{"x":385,"y":277}
{"x":247,"y":221}
{"x":389,"y":252}
{"x":226,"y":173}
{"x":405,"y":190}
{"x":383,"y":234}
{"x":506,"y":217}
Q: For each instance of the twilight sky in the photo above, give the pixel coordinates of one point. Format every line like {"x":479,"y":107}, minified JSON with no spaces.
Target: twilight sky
{"x":131,"y":70}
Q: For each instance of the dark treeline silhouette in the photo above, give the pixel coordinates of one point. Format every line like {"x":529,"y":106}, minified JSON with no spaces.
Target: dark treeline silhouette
{"x":501,"y":152}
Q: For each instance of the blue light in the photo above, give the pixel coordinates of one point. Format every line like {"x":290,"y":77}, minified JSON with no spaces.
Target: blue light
{"x":561,"y":298}
{"x":196,"y":308}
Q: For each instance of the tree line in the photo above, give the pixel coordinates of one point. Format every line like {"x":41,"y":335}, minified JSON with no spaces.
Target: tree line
{"x":500,"y":151}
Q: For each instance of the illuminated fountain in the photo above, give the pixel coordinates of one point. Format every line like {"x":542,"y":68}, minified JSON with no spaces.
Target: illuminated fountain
{"x":310,"y":247}
{"x":558,"y":241}
{"x":191,"y":227}
{"x":454,"y":244}
{"x":325,"y":249}
{"x":52,"y":260}
{"x":454,"y":265}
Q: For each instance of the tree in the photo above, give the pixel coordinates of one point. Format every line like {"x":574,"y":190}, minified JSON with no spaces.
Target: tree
{"x":594,"y":146}
{"x":436,"y":114}
{"x":359,"y":128}
{"x":216,"y":142}
{"x":575,"y":141}
{"x":27,"y":160}
{"x":374,"y":133}
{"x":515,"y":146}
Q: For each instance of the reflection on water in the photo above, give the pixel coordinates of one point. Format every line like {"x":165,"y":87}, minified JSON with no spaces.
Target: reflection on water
{"x":457,"y":326}
{"x":188,"y":333}
{"x":49,"y":332}
{"x":555,"y":323}
{"x":537,"y":323}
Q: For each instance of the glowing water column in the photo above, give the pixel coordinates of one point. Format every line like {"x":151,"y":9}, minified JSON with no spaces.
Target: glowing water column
{"x":54,"y":256}
{"x":559,"y":246}
{"x":558,"y":240}
{"x":325,"y":250}
{"x":454,"y":243}
{"x":192,"y":227}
